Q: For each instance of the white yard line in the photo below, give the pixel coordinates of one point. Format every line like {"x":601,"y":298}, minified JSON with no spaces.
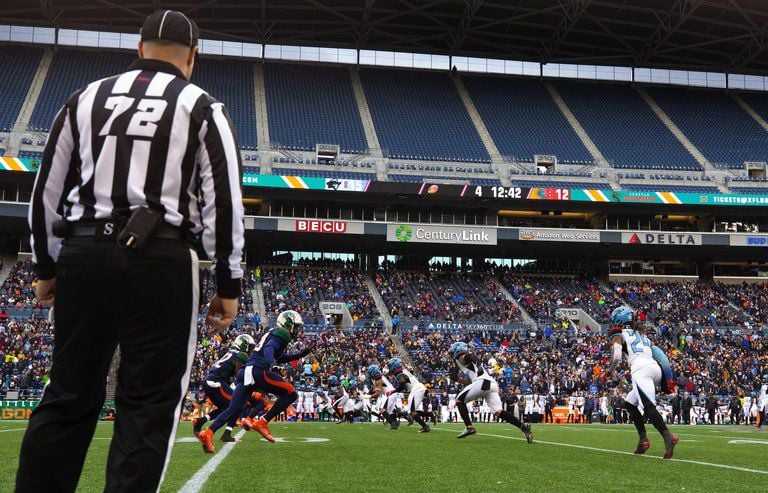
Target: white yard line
{"x":681,"y":432}
{"x":595,"y":449}
{"x":196,"y":482}
{"x":12,"y":429}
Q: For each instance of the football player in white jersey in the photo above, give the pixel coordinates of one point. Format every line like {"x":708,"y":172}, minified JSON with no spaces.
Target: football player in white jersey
{"x":762,"y":401}
{"x":339,"y":396}
{"x":629,"y":338}
{"x":385,"y":395}
{"x":481,"y":385}
{"x":405,"y":381}
{"x":451,"y":405}
{"x":323,"y":404}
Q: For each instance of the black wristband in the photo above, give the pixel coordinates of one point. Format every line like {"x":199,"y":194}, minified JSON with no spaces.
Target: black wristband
{"x":45,"y":272}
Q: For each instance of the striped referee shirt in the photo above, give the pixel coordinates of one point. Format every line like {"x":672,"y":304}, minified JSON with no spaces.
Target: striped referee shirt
{"x":144,"y":137}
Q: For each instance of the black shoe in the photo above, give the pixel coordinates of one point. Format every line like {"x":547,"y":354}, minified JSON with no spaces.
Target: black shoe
{"x":425,"y":429}
{"x":469,"y":430}
{"x":410,"y":420}
{"x":394,"y":426}
{"x":197,"y":426}
{"x":227,"y":437}
{"x":527,"y":431}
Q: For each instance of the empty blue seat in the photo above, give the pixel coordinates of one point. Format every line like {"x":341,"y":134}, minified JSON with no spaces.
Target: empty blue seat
{"x":309,"y":105}
{"x":419,"y":115}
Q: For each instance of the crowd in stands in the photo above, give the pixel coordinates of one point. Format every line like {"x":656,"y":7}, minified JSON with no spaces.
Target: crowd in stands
{"x":450,"y":297}
{"x":680,"y":304}
{"x":16,"y":290}
{"x":26,"y":349}
{"x":752,"y":298}
{"x":302,"y":290}
{"x":542,"y":297}
{"x":555,"y":358}
{"x":705,"y":362}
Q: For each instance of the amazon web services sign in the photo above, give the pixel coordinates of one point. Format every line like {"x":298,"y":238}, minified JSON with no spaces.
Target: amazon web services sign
{"x":457,"y":235}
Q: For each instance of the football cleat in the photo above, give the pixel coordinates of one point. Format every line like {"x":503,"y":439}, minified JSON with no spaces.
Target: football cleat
{"x":469,"y":430}
{"x":394,"y":426}
{"x":227,"y":437}
{"x":527,"y":431}
{"x":426,"y":429}
{"x":206,"y":438}
{"x":642,"y":446}
{"x":263,"y":428}
{"x":669,"y":445}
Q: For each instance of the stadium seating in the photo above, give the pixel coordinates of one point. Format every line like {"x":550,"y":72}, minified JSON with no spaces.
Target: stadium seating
{"x":322,"y":173}
{"x":16,"y":290}
{"x":231,"y":82}
{"x":419,"y":115}
{"x":71,"y":70}
{"x":750,"y":190}
{"x":445,"y":296}
{"x":542,"y":296}
{"x":523,"y":120}
{"x":422,"y":178}
{"x":687,"y":304}
{"x":309,"y":105}
{"x":715,"y":123}
{"x":758,"y":101}
{"x":19,"y":66}
{"x":624,"y":127}
{"x":35,"y":155}
{"x":580,"y":185}
{"x":670,"y":188}
{"x":303,"y":289}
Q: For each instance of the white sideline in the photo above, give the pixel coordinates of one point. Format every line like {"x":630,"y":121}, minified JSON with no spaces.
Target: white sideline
{"x":12,"y":429}
{"x":196,"y":482}
{"x":595,"y":449}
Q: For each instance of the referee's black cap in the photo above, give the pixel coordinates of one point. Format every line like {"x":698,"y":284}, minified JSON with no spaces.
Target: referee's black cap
{"x":170,"y":25}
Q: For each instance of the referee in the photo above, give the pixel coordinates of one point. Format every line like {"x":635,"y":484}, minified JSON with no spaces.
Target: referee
{"x":136,"y":166}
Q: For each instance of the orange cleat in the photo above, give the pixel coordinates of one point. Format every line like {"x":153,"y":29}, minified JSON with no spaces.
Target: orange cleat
{"x":262,"y":427}
{"x":206,"y":438}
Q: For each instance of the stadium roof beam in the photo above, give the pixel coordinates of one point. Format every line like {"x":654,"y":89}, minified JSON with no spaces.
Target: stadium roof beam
{"x":722,"y":35}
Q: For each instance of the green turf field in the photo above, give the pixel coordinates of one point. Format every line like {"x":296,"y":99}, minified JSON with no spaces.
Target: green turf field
{"x":368,"y":457}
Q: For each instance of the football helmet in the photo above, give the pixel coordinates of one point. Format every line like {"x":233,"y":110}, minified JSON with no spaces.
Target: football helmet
{"x":394,"y":363}
{"x":622,"y":315}
{"x":373,"y":370}
{"x":290,"y":321}
{"x":458,"y":349}
{"x":333,"y":380}
{"x":244,"y":343}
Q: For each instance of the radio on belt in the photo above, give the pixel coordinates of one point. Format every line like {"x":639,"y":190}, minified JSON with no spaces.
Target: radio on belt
{"x":139,"y":228}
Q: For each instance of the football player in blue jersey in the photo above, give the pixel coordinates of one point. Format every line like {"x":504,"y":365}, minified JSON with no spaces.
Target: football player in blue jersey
{"x":218,"y":380}
{"x":258,"y":374}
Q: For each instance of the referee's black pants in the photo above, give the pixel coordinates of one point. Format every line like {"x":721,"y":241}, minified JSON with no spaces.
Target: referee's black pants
{"x":147,"y":303}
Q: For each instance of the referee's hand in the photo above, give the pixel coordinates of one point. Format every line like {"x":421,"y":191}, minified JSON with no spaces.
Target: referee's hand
{"x":45,"y":291}
{"x":221,"y":313}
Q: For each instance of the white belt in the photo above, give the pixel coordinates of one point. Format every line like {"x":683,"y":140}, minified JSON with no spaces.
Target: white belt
{"x":213,"y":384}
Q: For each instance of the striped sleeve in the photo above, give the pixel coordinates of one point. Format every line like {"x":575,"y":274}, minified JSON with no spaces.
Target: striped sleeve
{"x":222,"y":213}
{"x":47,"y":194}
